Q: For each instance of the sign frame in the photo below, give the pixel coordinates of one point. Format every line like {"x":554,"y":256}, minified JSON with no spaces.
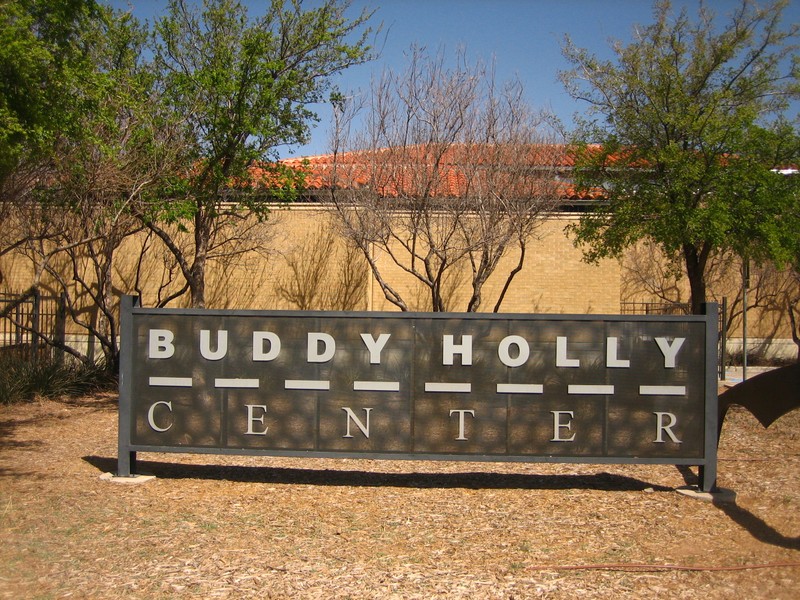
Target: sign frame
{"x":705,"y":457}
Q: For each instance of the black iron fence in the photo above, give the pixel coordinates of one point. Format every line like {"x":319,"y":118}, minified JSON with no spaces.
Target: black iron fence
{"x":27,"y":320}
{"x":654,"y":308}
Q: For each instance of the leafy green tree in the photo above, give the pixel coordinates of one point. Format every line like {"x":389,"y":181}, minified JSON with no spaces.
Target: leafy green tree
{"x":239,"y":88}
{"x":684,"y":136}
{"x":124,"y":151}
{"x":43,"y":68}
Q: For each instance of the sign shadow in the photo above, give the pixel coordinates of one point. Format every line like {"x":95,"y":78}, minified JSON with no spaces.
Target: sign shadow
{"x":360,"y":478}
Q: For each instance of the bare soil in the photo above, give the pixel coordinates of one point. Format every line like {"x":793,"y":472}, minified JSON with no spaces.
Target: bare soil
{"x":240,"y":527}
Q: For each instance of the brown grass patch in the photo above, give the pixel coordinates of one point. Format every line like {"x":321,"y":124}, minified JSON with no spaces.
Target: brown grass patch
{"x":239,"y":527}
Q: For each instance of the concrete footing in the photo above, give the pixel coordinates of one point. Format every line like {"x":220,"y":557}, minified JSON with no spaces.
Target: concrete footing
{"x":718,"y":495}
{"x":132,"y":480}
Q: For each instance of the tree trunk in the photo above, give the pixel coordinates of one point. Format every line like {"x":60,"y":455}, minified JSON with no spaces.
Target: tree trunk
{"x":696,"y":271}
{"x":197,"y":274}
{"x":795,"y":330}
{"x":511,"y":275}
{"x":197,"y":283}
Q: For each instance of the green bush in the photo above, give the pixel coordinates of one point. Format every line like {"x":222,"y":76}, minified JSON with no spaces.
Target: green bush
{"x":22,"y":379}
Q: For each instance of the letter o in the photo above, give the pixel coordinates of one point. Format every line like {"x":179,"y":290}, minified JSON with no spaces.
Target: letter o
{"x":523,"y":349}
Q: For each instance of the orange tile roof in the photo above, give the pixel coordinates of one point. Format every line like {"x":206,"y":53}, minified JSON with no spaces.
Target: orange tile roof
{"x":411,"y":171}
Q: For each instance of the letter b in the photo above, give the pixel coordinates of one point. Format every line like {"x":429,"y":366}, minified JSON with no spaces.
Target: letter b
{"x":160,"y":343}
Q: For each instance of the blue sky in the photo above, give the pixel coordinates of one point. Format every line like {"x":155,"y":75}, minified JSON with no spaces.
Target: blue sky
{"x":523,"y":37}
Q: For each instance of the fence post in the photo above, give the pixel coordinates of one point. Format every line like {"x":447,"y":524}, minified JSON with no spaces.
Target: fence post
{"x":35,"y":321}
{"x":60,"y":333}
{"x":723,"y":350}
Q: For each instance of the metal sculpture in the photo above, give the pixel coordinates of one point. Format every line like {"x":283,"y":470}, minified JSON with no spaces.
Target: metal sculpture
{"x":767,"y":396}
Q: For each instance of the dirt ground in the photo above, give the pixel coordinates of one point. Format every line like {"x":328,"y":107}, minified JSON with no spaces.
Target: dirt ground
{"x":240,"y":527}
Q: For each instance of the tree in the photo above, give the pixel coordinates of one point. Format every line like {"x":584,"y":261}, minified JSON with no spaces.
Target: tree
{"x":43,"y":68}
{"x":124,"y":150}
{"x":793,"y":306}
{"x":449,"y":171}
{"x":239,"y":88}
{"x":689,"y":142}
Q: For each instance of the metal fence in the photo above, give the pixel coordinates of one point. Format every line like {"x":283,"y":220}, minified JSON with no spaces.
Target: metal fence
{"x":27,"y":320}
{"x":654,"y":308}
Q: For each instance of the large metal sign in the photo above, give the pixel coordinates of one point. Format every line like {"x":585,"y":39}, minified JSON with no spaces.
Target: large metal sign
{"x":578,"y":388}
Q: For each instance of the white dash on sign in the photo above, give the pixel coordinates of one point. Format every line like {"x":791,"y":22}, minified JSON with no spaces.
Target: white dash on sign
{"x":170,"y":382}
{"x":520,"y":388}
{"x":376,"y":386}
{"x":591,"y":390}
{"x":662,"y":390}
{"x":307,"y":384}
{"x":461,"y":388}
{"x":236,"y":383}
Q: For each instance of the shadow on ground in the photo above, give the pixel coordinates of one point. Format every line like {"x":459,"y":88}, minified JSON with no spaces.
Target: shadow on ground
{"x":467,"y":480}
{"x":755,"y":525}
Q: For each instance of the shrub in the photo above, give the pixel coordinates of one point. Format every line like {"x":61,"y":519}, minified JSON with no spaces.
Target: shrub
{"x":22,"y":379}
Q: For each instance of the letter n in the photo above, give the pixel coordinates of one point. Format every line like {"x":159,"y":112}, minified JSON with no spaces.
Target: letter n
{"x":353,"y":418}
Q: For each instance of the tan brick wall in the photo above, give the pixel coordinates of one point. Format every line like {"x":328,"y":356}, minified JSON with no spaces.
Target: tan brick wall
{"x":554,"y":279}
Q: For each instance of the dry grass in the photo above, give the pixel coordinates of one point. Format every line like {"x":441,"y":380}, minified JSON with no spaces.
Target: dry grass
{"x":238,"y":527}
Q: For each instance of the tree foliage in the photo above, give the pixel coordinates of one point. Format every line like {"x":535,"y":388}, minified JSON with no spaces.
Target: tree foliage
{"x":43,"y":68}
{"x":689,"y":131}
{"x":239,"y":88}
{"x":108,"y":127}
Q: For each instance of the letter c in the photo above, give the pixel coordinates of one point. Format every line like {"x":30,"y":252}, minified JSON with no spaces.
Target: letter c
{"x":151,"y":412}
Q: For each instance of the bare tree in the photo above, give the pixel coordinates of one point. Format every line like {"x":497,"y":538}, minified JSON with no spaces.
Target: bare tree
{"x":87,"y":213}
{"x":446,"y":168}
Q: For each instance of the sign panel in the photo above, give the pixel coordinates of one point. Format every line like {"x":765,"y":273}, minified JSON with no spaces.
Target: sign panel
{"x":587,"y":388}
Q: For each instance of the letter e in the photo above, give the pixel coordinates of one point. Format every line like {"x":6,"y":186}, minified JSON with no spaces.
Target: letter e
{"x":558,"y":425}
{"x":251,"y":418}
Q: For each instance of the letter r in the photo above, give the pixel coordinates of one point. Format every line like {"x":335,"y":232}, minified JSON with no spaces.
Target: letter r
{"x":662,"y":428}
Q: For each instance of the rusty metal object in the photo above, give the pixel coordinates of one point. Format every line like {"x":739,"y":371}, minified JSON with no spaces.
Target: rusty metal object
{"x":767,"y":396}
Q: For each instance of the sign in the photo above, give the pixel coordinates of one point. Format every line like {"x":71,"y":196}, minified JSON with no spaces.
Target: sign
{"x":578,"y":388}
